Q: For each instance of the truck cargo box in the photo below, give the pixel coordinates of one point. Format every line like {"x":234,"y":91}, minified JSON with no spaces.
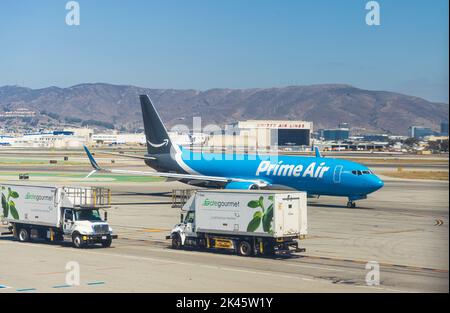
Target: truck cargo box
{"x":41,"y":205}
{"x":31,"y":205}
{"x":254,"y":212}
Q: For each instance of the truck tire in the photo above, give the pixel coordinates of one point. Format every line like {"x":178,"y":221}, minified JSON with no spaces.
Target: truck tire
{"x":23,"y":235}
{"x":176,"y":241}
{"x":77,"y":241}
{"x":107,"y":243}
{"x":244,"y":248}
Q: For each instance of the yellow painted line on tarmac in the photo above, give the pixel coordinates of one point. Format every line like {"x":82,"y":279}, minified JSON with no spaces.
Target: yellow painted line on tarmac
{"x":154,"y":230}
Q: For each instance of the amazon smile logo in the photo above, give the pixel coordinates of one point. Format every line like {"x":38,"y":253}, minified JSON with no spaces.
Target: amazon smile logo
{"x":158,"y":145}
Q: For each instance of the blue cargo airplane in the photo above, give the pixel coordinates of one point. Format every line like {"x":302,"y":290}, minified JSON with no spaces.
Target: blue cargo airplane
{"x":316,"y":175}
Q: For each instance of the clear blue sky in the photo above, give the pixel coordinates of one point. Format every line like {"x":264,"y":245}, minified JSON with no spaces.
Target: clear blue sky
{"x":204,"y":44}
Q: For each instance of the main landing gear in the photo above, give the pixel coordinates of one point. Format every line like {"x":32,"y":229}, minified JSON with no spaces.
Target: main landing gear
{"x":351,"y":204}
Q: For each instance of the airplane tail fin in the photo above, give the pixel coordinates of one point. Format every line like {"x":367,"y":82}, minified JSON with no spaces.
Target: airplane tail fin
{"x":95,"y":167}
{"x":317,"y":152}
{"x":158,"y":141}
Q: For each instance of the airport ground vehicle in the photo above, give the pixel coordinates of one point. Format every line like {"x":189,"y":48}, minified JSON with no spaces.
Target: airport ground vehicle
{"x":57,"y":213}
{"x":249,"y":222}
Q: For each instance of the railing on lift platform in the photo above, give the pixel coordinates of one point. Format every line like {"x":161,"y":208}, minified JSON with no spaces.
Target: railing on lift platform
{"x":180,"y":197}
{"x":92,"y":197}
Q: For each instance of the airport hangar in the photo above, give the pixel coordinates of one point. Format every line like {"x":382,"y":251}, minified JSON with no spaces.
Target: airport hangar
{"x":263,"y":134}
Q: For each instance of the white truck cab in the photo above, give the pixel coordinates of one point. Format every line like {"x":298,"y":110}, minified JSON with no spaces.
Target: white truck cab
{"x":186,"y":228}
{"x":86,"y":226}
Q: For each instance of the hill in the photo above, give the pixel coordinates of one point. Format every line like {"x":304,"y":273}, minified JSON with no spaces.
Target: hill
{"x":325,"y":105}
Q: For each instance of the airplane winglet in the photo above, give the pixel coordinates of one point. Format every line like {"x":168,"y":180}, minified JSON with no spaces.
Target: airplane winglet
{"x":92,"y":160}
{"x":316,"y":149}
{"x":91,"y":173}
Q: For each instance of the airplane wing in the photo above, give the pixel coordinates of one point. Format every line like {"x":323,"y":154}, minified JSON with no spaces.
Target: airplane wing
{"x":141,"y":157}
{"x":218,"y":179}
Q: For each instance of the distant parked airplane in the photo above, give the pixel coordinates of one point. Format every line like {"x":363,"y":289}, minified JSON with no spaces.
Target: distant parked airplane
{"x":316,"y":175}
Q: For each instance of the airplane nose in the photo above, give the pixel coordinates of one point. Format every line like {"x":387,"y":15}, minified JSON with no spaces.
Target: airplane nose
{"x":377,"y":184}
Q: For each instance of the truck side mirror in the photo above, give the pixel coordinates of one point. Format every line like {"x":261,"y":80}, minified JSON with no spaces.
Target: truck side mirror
{"x":181,"y":218}
{"x":106,"y":216}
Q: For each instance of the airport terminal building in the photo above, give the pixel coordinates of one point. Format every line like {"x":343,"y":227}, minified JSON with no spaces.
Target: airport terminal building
{"x":264,"y":134}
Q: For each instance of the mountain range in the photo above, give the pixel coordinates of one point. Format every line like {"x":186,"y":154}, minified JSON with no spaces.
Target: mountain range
{"x":326,"y":105}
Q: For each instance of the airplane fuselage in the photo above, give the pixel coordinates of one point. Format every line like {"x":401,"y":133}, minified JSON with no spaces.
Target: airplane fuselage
{"x":315,"y":175}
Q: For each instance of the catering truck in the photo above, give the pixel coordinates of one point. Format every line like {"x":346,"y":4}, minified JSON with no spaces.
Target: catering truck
{"x":250,"y":222}
{"x":57,"y":213}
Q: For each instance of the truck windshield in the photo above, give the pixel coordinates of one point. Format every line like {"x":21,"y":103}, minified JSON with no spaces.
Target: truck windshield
{"x":88,"y":215}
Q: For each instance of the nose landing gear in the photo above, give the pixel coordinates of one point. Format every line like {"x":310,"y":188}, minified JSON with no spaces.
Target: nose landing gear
{"x":351,"y":200}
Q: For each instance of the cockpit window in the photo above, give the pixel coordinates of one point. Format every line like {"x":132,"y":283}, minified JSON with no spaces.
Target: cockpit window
{"x":359,"y":173}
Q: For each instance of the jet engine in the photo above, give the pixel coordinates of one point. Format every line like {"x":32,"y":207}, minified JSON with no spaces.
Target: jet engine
{"x":241,"y":185}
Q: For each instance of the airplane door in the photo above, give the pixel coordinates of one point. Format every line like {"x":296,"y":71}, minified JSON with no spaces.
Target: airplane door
{"x":337,"y":174}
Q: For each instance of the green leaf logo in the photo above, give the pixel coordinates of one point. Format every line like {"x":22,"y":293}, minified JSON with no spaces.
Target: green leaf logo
{"x":261,"y":216}
{"x":267,"y":219}
{"x":258,"y":214}
{"x":261,"y":202}
{"x":8,"y":205}
{"x":254,"y":224}
{"x":253,"y":204}
{"x":5,"y":206}
{"x":14,"y":213}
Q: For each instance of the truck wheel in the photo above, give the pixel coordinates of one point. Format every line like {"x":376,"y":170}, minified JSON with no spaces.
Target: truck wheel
{"x":245,"y":248}
{"x":107,"y":243}
{"x":176,"y":241}
{"x":77,"y":241}
{"x":24,"y":236}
